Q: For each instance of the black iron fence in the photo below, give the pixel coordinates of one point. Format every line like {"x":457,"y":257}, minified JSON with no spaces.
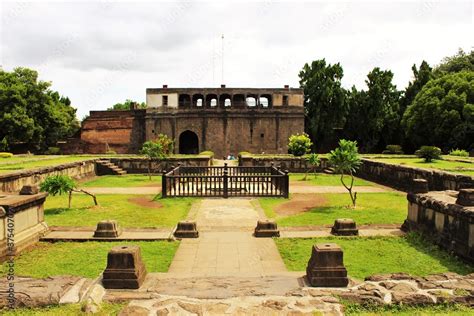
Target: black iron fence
{"x":225,"y":182}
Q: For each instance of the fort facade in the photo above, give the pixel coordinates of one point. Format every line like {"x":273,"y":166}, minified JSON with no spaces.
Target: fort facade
{"x":223,"y":120}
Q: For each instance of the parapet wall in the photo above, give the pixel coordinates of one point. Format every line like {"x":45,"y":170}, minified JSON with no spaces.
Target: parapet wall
{"x":290,"y":163}
{"x":13,"y":182}
{"x":449,"y":224}
{"x":140,"y":165}
{"x":401,"y":177}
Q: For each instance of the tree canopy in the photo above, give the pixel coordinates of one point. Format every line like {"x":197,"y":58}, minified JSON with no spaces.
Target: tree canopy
{"x":442,"y":113}
{"x":126,"y":105}
{"x":325,"y":99}
{"x":32,"y":113}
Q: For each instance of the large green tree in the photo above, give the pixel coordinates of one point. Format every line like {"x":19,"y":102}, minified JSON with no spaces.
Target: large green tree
{"x":126,"y":105}
{"x":325,"y":100}
{"x":32,"y":113}
{"x":442,"y":113}
{"x":421,"y":76}
{"x":459,"y":62}
{"x":374,"y":114}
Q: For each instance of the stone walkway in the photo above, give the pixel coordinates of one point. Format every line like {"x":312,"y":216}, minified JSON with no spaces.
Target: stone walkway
{"x":226,"y":246}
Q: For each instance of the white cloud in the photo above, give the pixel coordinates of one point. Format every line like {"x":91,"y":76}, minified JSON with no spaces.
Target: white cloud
{"x":103,"y":52}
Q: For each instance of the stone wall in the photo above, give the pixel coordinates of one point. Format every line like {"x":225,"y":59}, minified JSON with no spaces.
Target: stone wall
{"x":140,"y":165}
{"x":395,"y":176}
{"x":449,"y":224}
{"x":13,"y":182}
{"x":28,"y":221}
{"x":398,"y":176}
{"x":290,"y":163}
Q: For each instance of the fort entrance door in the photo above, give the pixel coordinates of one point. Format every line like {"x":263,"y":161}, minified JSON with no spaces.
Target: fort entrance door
{"x":188,"y":143}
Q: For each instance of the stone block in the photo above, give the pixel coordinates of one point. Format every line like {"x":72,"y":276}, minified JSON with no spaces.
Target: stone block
{"x":465,"y":197}
{"x":125,"y":268}
{"x":108,"y":229}
{"x":266,"y":228}
{"x":345,"y":227}
{"x":186,"y":229}
{"x":29,"y":190}
{"x":325,"y":267}
{"x":419,"y":186}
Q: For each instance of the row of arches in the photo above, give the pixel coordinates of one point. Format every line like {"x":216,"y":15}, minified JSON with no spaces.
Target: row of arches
{"x":225,"y":100}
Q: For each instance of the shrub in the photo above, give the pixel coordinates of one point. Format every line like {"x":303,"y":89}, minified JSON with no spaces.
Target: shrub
{"x":53,"y":151}
{"x":159,"y":148}
{"x":393,"y":149}
{"x":5,"y":155}
{"x":429,"y":153}
{"x":459,"y":153}
{"x":299,"y":144}
{"x":207,"y":153}
{"x":4,"y":144}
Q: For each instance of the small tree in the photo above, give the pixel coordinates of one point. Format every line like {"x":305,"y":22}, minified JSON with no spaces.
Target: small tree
{"x":299,"y":144}
{"x":159,"y":148}
{"x":61,"y":184}
{"x":346,"y":160}
{"x":313,"y":160}
{"x":429,"y":153}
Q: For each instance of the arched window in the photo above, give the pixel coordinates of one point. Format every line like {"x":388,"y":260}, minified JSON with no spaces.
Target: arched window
{"x":213,"y":102}
{"x":264,"y":102}
{"x":251,"y":101}
{"x":227,"y":103}
{"x":199,"y":102}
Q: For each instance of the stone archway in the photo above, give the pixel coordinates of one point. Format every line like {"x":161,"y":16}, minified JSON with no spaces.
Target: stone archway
{"x":188,"y":143}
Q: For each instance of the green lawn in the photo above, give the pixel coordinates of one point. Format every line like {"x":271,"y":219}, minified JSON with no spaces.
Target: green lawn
{"x":30,"y":162}
{"x":325,"y":179}
{"x":446,"y":165}
{"x":87,"y":259}
{"x":106,"y":309}
{"x":118,"y":207}
{"x":125,"y":181}
{"x":374,"y":255}
{"x":406,"y":310}
{"x":372,"y":208}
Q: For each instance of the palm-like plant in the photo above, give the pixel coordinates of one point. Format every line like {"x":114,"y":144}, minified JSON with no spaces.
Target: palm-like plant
{"x":346,"y":160}
{"x":313,"y":160}
{"x":61,"y":184}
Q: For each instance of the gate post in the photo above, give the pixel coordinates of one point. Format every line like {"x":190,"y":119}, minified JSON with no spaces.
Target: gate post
{"x":286,"y":192}
{"x":163,"y":185}
{"x":226,"y":191}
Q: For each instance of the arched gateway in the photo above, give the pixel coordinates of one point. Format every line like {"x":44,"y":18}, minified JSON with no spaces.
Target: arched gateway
{"x":188,"y":143}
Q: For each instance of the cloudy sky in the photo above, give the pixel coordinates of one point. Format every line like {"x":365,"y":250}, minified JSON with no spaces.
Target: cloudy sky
{"x":102,"y":52}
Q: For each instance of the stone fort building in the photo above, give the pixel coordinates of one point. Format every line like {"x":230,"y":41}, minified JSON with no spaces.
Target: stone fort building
{"x":223,"y":120}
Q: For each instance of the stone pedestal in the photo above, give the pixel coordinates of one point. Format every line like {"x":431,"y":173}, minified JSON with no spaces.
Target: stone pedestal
{"x":325,"y":267}
{"x":266,"y":229}
{"x":125,"y":268}
{"x":108,"y":229}
{"x":345,"y":227}
{"x":186,"y":229}
{"x":419,"y":186}
{"x":29,"y":190}
{"x":465,"y":197}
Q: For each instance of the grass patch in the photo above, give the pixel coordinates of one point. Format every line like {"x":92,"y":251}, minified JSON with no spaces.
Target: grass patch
{"x":444,"y":165}
{"x":32,"y":162}
{"x":118,"y":207}
{"x":326,"y":179}
{"x":125,"y":181}
{"x":406,"y":310}
{"x":86,"y":259}
{"x":106,"y":309}
{"x":372,"y":208}
{"x":365,"y":256}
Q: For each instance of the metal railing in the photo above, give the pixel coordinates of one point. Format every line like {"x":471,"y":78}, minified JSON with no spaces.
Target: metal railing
{"x":225,"y":181}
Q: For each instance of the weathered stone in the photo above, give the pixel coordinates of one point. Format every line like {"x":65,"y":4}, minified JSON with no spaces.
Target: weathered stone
{"x":125,"y":268}
{"x":134,"y":311}
{"x":186,"y":229}
{"x":411,"y":298}
{"x":29,"y":190}
{"x":325,"y":267}
{"x":266,"y":228}
{"x":277,"y":305}
{"x":108,"y":229}
{"x":344,"y":227}
{"x":191,"y":308}
{"x":419,"y":186}
{"x":390,"y":276}
{"x":399,"y":286}
{"x":360,"y":298}
{"x":465,"y":197}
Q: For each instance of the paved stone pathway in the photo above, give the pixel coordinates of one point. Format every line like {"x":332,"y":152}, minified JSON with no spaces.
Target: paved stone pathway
{"x":226,"y":246}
